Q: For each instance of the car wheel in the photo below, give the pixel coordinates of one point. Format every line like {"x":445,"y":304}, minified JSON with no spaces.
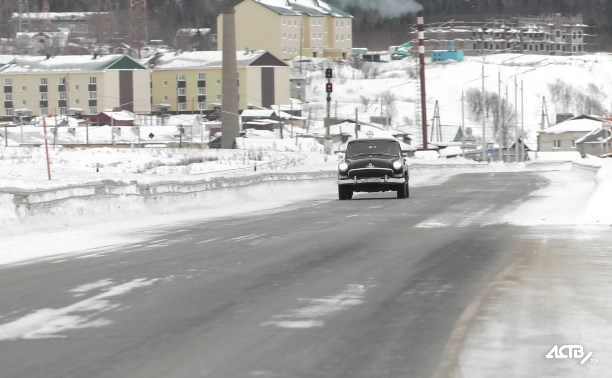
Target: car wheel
{"x":402,"y":192}
{"x":343,"y":193}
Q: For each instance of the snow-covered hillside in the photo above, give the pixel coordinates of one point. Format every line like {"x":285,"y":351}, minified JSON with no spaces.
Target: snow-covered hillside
{"x":577,"y":84}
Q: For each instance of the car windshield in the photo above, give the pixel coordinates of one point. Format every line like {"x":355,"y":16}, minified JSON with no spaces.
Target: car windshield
{"x":386,"y":148}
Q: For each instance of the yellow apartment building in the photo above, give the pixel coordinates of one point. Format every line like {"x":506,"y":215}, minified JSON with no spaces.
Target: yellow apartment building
{"x":73,"y":84}
{"x":291,"y":28}
{"x":190,"y":82}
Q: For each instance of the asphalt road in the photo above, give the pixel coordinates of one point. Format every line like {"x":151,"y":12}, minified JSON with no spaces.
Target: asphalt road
{"x":372,"y":287}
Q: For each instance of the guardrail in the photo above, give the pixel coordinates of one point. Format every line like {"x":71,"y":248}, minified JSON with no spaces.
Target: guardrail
{"x":18,"y":205}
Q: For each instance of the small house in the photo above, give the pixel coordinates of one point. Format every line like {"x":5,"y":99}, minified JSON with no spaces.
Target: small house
{"x":563,"y":136}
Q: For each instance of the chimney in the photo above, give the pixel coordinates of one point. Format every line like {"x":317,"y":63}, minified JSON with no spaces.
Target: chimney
{"x":230,"y":122}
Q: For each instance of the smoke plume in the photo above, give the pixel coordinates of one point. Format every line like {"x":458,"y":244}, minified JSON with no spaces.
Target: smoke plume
{"x":386,"y":8}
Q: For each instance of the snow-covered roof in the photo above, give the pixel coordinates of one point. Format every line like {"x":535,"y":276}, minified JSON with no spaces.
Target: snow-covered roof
{"x":57,"y":16}
{"x":312,"y":8}
{"x":257,"y":113}
{"x":204,"y":59}
{"x":62,"y":63}
{"x":576,"y":124}
{"x":183,"y":119}
{"x":120,"y":116}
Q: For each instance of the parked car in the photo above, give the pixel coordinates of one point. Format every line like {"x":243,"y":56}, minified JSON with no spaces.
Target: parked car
{"x":373,"y":165}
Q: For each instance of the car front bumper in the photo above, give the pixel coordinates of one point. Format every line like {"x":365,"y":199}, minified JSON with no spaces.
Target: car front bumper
{"x":368,"y":181}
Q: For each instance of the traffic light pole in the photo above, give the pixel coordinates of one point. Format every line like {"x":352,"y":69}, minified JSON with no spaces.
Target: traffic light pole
{"x":327,"y":115}
{"x":328,"y":90}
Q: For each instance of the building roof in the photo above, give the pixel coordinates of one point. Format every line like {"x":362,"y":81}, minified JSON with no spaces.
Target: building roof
{"x":187,"y":32}
{"x":258,"y":113}
{"x":69,"y":63}
{"x":57,"y":16}
{"x":584,"y":124}
{"x":314,"y":8}
{"x":211,"y":59}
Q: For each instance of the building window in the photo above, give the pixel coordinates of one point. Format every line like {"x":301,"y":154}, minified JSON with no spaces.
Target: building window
{"x":93,"y":110}
{"x":93,"y":95}
{"x":24,"y":88}
{"x":201,"y":106}
{"x":8,"y":97}
{"x":165,"y":83}
{"x":573,"y":143}
{"x":201,"y":91}
{"x":77,"y":86}
{"x":201,"y":76}
{"x":62,"y":80}
{"x":77,"y":101}
{"x":43,"y":81}
{"x":182,"y":106}
{"x":8,"y":112}
{"x":557,"y":143}
{"x":181,"y":91}
{"x":43,"y":96}
{"x":219,"y":97}
{"x":62,"y":95}
{"x":165,"y":98}
{"x":92,"y":80}
{"x":8,"y":82}
{"x":181,"y":77}
{"x":44,"y":110}
{"x":63,"y":111}
{"x":218,"y":82}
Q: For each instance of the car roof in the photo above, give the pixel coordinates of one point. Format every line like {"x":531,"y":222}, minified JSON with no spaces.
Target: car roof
{"x":362,"y":140}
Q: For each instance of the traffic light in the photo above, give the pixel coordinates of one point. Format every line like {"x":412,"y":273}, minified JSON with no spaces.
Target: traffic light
{"x":329,"y":87}
{"x":328,"y":73}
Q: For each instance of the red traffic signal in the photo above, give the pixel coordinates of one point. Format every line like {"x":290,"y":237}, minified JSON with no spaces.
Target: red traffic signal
{"x":329,"y":87}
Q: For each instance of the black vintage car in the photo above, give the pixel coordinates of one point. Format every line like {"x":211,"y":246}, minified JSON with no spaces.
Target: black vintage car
{"x":372,"y":165}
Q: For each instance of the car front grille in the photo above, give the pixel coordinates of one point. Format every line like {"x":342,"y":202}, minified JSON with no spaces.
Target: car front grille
{"x":370,"y":172}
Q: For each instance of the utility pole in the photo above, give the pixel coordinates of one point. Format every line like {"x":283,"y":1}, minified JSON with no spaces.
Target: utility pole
{"x":483,"y":99}
{"x":421,"y":36}
{"x":500,"y":136}
{"x":516,"y":115}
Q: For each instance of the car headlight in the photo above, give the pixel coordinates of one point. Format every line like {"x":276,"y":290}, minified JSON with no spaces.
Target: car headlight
{"x":397,"y":165}
{"x":343,"y":167}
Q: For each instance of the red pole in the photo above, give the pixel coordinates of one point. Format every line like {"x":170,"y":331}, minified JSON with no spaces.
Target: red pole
{"x":421,"y":36}
{"x":47,"y":149}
